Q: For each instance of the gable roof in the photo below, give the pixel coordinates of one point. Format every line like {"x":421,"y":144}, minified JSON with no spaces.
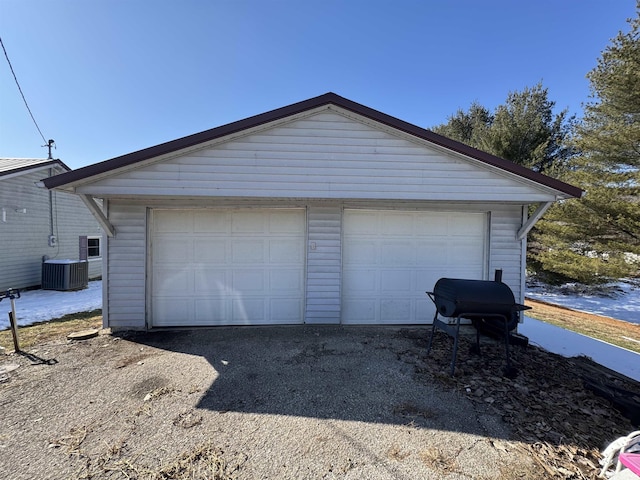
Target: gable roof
{"x":130,"y":159}
{"x":12,"y":166}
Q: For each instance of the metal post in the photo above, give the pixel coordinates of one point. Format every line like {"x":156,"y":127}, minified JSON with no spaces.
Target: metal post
{"x":14,"y":332}
{"x":13,"y":319}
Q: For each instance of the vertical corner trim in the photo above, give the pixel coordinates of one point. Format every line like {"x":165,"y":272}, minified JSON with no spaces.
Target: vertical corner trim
{"x":98,"y":214}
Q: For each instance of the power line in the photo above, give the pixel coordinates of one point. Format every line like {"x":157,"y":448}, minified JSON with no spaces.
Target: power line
{"x":20,"y":89}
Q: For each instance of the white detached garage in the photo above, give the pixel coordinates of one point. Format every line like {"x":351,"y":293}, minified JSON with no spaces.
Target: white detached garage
{"x":324,"y":211}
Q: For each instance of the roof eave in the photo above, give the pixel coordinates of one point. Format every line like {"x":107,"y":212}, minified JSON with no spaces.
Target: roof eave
{"x":74,"y":177}
{"x":186,"y":142}
{"x":459,"y":147}
{"x":29,"y":168}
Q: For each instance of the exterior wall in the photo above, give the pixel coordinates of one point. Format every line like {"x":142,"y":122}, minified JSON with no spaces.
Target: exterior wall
{"x":505,"y":250}
{"x":127,"y":251}
{"x":324,"y":264}
{"x":126,"y":266}
{"x":327,"y":155}
{"x":25,"y":236}
{"x":72,"y":219}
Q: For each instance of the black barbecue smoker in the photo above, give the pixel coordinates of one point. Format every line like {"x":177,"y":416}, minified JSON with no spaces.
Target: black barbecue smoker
{"x":490,"y":305}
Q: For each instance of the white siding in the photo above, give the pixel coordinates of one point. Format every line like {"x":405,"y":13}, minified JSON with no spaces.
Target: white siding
{"x":326,"y":155}
{"x":126,"y":265}
{"x":323,"y":264}
{"x":506,"y":251}
{"x":24,"y":237}
{"x":72,"y":219}
{"x":127,"y":255}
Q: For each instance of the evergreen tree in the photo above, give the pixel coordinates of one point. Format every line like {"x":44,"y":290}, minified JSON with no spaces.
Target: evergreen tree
{"x":598,"y":237}
{"x":524,"y":130}
{"x":468,"y":127}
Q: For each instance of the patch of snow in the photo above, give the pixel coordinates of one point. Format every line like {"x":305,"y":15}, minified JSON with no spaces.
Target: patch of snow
{"x":35,"y":306}
{"x":619,"y":300}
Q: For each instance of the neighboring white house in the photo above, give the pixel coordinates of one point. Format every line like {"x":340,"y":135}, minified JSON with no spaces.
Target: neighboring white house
{"x":36,"y":223}
{"x":324,"y":211}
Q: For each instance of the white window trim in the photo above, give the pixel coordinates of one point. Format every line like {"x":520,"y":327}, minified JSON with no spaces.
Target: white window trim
{"x":95,"y":257}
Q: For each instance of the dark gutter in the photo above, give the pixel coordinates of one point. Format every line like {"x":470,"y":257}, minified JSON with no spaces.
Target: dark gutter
{"x":294,"y":109}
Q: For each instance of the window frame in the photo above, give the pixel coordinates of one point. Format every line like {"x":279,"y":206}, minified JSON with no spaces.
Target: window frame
{"x":97,"y":239}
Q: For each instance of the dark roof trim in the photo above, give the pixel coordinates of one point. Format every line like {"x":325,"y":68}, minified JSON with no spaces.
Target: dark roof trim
{"x":36,"y":166}
{"x":297,"y":108}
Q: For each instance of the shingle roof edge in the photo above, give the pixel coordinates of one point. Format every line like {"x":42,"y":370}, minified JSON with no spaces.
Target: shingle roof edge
{"x":300,"y":107}
{"x":41,"y":164}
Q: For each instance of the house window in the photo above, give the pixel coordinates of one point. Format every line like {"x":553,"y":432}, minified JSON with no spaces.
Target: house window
{"x":93,"y":247}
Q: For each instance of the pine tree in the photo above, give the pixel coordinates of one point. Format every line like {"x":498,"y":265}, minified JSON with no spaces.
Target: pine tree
{"x":469,"y":127}
{"x":524,"y":130}
{"x":597,"y":238}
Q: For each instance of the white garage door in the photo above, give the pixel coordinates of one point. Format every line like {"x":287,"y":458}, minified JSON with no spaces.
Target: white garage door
{"x":227,"y":267}
{"x":391,"y":258}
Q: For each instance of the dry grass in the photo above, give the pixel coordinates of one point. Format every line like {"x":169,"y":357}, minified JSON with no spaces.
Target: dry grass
{"x":205,"y":461}
{"x":616,"y":332}
{"x":114,"y":460}
{"x":188,"y":419}
{"x":396,"y":453}
{"x":435,"y":459}
{"x":53,"y":330}
{"x":72,"y":441}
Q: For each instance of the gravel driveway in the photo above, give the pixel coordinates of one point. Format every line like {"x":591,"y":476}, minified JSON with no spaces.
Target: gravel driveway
{"x":246,"y":403}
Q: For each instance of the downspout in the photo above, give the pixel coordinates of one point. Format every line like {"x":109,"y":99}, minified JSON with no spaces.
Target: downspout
{"x":50,"y":207}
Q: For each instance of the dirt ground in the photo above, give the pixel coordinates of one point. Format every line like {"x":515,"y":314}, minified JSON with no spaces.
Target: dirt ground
{"x":295,"y":403}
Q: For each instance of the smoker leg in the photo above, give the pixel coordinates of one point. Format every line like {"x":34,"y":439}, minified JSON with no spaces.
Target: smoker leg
{"x":506,"y":342}
{"x":433,"y":331}
{"x":455,"y":347}
{"x":510,"y":372}
{"x":476,"y":348}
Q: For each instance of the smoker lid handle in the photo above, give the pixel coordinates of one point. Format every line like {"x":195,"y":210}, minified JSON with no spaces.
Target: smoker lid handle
{"x":431,"y":296}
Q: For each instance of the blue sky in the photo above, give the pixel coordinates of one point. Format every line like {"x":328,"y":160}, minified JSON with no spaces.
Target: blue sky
{"x":106,"y":78}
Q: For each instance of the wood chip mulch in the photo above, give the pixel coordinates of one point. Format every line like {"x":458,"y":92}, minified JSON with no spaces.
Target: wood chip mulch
{"x":553,"y":414}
